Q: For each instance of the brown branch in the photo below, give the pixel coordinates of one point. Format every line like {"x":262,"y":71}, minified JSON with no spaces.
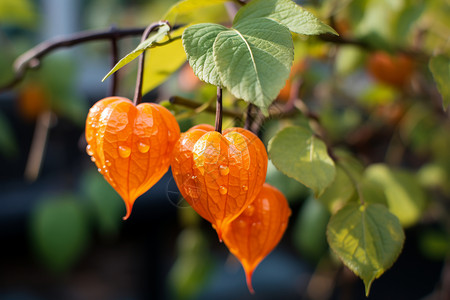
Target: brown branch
{"x":339,"y":40}
{"x":31,"y":59}
{"x":211,"y":109}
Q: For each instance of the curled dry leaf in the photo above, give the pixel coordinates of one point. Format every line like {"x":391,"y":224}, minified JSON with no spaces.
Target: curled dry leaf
{"x":131,"y":145}
{"x":256,"y":232}
{"x":219,"y":175}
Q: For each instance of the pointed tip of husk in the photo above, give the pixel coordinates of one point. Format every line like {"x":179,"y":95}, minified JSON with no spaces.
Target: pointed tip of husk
{"x":219,"y":234}
{"x":128,"y":208}
{"x":248,"y":278}
{"x":219,"y":231}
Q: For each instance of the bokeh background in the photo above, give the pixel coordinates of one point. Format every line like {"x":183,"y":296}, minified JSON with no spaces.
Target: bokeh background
{"x":61,"y":232}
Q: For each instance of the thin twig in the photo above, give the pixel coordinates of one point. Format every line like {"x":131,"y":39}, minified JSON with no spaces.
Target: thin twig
{"x":114,"y":59}
{"x":218,"y":122}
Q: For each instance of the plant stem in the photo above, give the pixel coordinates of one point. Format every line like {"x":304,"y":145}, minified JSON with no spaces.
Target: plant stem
{"x":114,"y":59}
{"x":140,"y":73}
{"x":248,"y":117}
{"x":176,"y":100}
{"x":219,"y":110}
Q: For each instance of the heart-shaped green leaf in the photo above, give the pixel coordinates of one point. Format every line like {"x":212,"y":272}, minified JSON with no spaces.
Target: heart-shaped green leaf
{"x":299,"y":154}
{"x":254,"y":60}
{"x":286,"y":12}
{"x":198,"y":41}
{"x":367,"y":238}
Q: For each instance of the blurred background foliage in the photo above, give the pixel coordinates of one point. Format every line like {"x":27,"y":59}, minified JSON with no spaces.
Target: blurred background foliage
{"x":378,"y":106}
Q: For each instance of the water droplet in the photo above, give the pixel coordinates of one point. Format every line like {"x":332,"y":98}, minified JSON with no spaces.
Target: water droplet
{"x":250,"y":210}
{"x":124,"y":151}
{"x":242,"y":224}
{"x":223,"y":190}
{"x":108,"y":163}
{"x":89,"y":136}
{"x":224,"y":170}
{"x":99,"y":170}
{"x":194,"y":177}
{"x":256,"y":225}
{"x":245,"y":188}
{"x":92,"y":159}
{"x":143,"y":148}
{"x":89,"y":150}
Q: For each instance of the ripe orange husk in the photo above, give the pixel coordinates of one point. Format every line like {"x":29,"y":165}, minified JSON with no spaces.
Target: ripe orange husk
{"x":131,"y":145}
{"x":256,"y":232}
{"x":219,"y":175}
{"x":393,"y":70}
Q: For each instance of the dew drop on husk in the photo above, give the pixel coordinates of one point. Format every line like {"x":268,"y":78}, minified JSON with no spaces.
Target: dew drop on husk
{"x":124,"y":151}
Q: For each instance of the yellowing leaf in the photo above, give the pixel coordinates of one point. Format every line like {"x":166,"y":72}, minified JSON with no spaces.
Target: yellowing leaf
{"x":405,"y":197}
{"x":367,"y":238}
{"x":161,"y":62}
{"x":188,"y":11}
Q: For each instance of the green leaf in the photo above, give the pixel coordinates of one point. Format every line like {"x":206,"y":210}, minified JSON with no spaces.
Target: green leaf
{"x":193,"y":267}
{"x":254,"y":60}
{"x":8,"y":142}
{"x":186,"y":8}
{"x":59,"y":231}
{"x":367,"y":238}
{"x":107,"y":206}
{"x":404,"y":196}
{"x":249,"y":60}
{"x":286,"y":12}
{"x":294,"y":191}
{"x":299,"y":154}
{"x":440,"y":68}
{"x":309,"y":229}
{"x":147,"y":44}
{"x":339,"y":192}
{"x":19,"y":13}
{"x":198,"y":41}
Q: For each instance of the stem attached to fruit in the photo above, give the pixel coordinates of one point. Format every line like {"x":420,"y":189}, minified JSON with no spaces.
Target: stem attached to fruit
{"x":140,"y":73}
{"x":219,"y":110}
{"x":248,"y":117}
{"x":114,"y":59}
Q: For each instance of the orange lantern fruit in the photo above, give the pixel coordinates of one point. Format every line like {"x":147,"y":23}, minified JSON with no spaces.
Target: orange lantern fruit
{"x":395,"y":70}
{"x":256,"y":232}
{"x":131,"y":145}
{"x":219,"y":175}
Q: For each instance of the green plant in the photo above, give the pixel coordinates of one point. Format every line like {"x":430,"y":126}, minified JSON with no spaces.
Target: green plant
{"x":250,"y":60}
